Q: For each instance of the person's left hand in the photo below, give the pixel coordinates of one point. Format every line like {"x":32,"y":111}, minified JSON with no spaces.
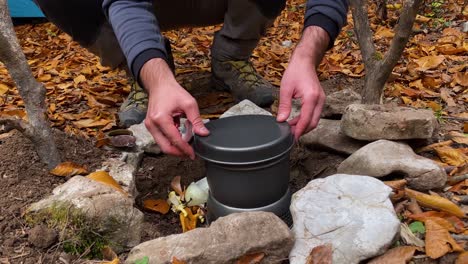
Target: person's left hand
{"x":300,"y":81}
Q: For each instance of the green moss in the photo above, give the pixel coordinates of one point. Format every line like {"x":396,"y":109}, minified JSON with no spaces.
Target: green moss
{"x":79,"y":235}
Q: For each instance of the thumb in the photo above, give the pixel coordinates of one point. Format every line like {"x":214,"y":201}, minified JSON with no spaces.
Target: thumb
{"x":284,"y":108}
{"x":193,"y":115}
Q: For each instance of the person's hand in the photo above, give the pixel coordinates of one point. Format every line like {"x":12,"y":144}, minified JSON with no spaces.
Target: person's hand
{"x":167,"y":101}
{"x":300,"y":81}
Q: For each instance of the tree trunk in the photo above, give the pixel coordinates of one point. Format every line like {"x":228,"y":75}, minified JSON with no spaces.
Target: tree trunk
{"x":37,"y":129}
{"x":379,"y":67}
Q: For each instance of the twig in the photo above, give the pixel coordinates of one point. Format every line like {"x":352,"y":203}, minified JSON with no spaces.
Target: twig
{"x":8,"y":124}
{"x":455,"y":118}
{"x":414,"y":207}
{"x":456,"y":179}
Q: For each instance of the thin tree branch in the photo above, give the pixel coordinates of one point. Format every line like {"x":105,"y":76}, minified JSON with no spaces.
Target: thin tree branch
{"x":363,"y":31}
{"x":403,"y":31}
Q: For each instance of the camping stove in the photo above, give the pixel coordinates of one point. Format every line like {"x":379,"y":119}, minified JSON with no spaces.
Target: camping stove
{"x":247,"y":165}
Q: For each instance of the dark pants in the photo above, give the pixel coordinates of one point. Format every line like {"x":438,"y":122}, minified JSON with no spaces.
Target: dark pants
{"x":245,"y":21}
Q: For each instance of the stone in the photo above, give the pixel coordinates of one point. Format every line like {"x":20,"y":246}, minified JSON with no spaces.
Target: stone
{"x":245,"y":107}
{"x":384,"y":157}
{"x":465,"y":27}
{"x":42,"y":237}
{"x":328,"y":135}
{"x":353,"y":213}
{"x":123,"y":173}
{"x":374,"y":122}
{"x":225,"y":241}
{"x":144,"y":140}
{"x":111,"y":212}
{"x":336,"y":102}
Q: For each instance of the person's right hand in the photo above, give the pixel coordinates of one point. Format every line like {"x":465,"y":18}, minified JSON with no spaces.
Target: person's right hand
{"x":168,"y":100}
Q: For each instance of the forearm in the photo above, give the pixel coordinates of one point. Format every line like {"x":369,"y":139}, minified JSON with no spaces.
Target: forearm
{"x":155,"y":73}
{"x":313,"y":45}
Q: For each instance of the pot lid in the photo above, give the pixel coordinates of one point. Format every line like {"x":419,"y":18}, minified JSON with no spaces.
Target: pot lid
{"x":244,"y":139}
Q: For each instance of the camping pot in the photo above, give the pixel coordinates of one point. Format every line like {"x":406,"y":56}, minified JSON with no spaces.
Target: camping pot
{"x":247,"y":164}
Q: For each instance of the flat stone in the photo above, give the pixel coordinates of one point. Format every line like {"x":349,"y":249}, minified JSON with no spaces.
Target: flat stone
{"x":123,"y":173}
{"x":353,"y":213}
{"x":328,"y":135}
{"x":337,"y":102}
{"x":374,"y":122}
{"x":245,"y":107}
{"x":383,"y":157}
{"x":225,"y":241}
{"x":111,"y":212}
{"x":144,"y":140}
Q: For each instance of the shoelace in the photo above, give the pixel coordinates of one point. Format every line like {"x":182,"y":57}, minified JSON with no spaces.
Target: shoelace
{"x":246,"y":71}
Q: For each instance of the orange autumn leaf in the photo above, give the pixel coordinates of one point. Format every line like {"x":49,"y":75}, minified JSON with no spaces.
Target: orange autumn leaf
{"x":322,"y":254}
{"x":396,"y":184}
{"x":435,"y":202}
{"x":68,"y":169}
{"x":429,"y":62}
{"x":177,"y":261}
{"x":159,"y":205}
{"x":253,"y":258}
{"x":87,"y":123}
{"x":3,"y":88}
{"x":438,"y":240}
{"x":105,"y":178}
{"x":461,"y":78}
{"x":451,"y":156}
{"x":398,"y":255}
{"x":462,"y":258}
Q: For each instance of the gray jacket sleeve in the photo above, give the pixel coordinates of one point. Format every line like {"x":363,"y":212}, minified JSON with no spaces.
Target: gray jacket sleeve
{"x":137,"y":31}
{"x":327,"y":14}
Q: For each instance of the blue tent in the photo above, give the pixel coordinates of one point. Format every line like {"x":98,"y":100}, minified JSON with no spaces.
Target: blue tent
{"x":24,"y":8}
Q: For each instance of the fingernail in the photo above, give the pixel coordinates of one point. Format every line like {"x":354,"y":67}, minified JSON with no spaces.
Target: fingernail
{"x":204,"y":130}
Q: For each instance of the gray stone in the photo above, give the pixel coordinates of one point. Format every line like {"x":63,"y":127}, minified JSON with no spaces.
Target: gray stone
{"x":42,"y":237}
{"x":374,"y":122}
{"x":123,"y":173}
{"x":225,"y":241}
{"x":465,"y":27}
{"x":328,"y":135}
{"x":383,"y":157}
{"x":111,"y":212}
{"x":337,"y":102}
{"x":144,"y":140}
{"x":245,"y":107}
{"x":353,"y":213}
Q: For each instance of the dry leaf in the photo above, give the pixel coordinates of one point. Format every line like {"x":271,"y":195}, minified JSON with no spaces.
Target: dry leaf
{"x":175,"y":184}
{"x":398,"y":255}
{"x":397,"y":184}
{"x":445,"y":95}
{"x":108,"y":253}
{"x":160,"y":206}
{"x":79,"y":79}
{"x":114,"y":261}
{"x":429,"y":62}
{"x":435,"y":202}
{"x":87,"y":123}
{"x":44,"y":78}
{"x":104,"y":177}
{"x":438,"y":240}
{"x":462,"y":258}
{"x":461,"y":78}
{"x":461,"y":139}
{"x":3,"y":88}
{"x":253,"y":258}
{"x":322,"y":254}
{"x":68,"y":169}
{"x":177,"y":261}
{"x":451,"y":156}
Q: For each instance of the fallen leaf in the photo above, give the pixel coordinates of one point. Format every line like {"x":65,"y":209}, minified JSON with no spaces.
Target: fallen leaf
{"x":106,"y":178}
{"x":68,"y":169}
{"x":44,"y":78}
{"x":438,"y":240}
{"x":435,"y":202}
{"x":322,"y":254}
{"x":79,"y":79}
{"x":445,"y":95}
{"x":465,"y":127}
{"x":108,"y":253}
{"x":461,"y":78}
{"x":253,"y":258}
{"x":3,"y":88}
{"x":177,"y":261}
{"x":396,"y":184}
{"x":461,"y":140}
{"x":114,"y":261}
{"x":87,"y":123}
{"x":398,"y":255}
{"x":429,"y":62}
{"x":175,"y":184}
{"x":462,"y":258}
{"x":451,"y":155}
{"x":160,"y":205}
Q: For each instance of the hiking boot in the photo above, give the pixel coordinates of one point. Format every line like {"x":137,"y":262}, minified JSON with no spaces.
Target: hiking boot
{"x":240,"y":78}
{"x":134,"y":108}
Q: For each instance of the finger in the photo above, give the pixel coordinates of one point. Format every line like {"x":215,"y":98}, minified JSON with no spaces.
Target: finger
{"x":317,"y":112}
{"x":284,"y":107}
{"x":305,"y":116}
{"x":167,"y":127}
{"x":161,"y":140}
{"x":193,"y":115}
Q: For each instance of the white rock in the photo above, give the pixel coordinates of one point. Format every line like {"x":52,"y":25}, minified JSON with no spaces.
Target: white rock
{"x":374,"y":122}
{"x":353,"y":213}
{"x":144,"y":140}
{"x":225,"y":241}
{"x":111,"y":212}
{"x":123,"y":173}
{"x":384,"y":157}
{"x":465,"y":27}
{"x":245,"y":107}
{"x":286,"y":43}
{"x":328,"y":135}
